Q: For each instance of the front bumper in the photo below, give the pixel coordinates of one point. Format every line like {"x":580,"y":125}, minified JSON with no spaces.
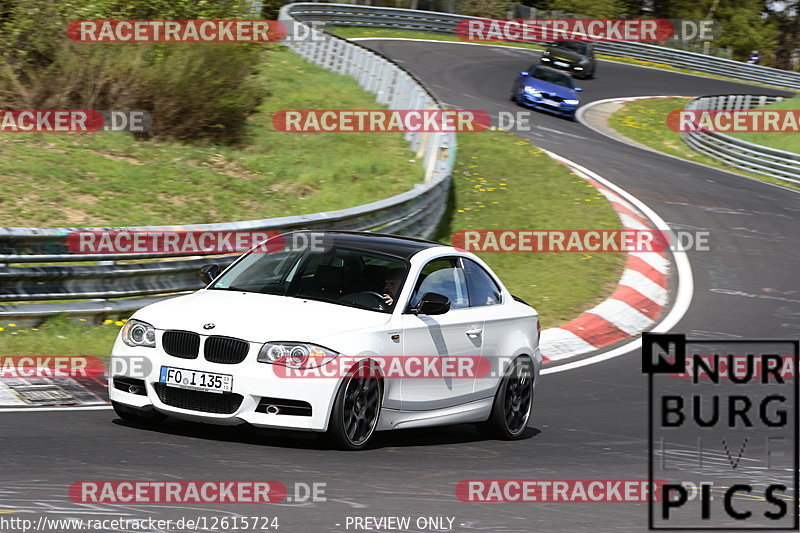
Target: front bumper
{"x":575,"y":69}
{"x":251,"y":380}
{"x":538,"y":102}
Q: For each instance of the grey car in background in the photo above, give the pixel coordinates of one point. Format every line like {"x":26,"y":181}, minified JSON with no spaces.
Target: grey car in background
{"x":576,"y":57}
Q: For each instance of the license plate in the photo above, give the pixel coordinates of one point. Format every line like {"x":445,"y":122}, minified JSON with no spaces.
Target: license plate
{"x":196,"y":380}
{"x":561,"y":64}
{"x":549,"y":102}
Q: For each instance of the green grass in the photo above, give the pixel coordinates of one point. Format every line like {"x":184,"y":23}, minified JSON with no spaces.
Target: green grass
{"x":59,"y":336}
{"x":644,"y":121}
{"x":524,"y":189}
{"x":350,"y":32}
{"x":787,"y":141}
{"x":112,"y":179}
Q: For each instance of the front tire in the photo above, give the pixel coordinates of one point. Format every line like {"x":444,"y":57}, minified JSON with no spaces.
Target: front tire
{"x":137,"y":416}
{"x":513,"y":402}
{"x":357,"y":408}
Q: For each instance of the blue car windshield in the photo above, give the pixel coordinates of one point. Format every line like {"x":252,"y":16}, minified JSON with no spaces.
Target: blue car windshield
{"x":552,"y":76}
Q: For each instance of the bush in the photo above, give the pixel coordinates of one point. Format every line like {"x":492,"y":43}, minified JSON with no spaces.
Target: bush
{"x":492,"y":9}
{"x":193,"y":91}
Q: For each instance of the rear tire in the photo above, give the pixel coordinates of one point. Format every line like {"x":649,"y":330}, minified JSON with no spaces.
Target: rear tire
{"x":138,"y":416}
{"x":357,"y":408}
{"x":513,"y":403}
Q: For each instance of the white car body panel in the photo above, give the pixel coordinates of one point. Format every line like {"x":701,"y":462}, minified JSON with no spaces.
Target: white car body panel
{"x":507,"y":329}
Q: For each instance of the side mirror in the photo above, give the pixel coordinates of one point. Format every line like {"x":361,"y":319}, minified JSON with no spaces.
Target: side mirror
{"x":578,"y":89}
{"x":432,"y":303}
{"x":208,"y":273}
{"x":523,"y":73}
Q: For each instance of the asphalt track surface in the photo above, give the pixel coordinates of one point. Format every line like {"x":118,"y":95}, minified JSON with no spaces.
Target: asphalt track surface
{"x":589,"y":422}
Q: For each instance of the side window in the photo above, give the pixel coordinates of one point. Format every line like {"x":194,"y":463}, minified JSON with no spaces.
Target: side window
{"x":442,"y":276}
{"x":482,"y":288}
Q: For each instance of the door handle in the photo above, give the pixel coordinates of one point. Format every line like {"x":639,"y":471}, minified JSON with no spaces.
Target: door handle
{"x":474,"y":332}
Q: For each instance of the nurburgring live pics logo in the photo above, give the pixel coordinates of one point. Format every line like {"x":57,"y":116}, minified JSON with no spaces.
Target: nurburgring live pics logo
{"x":732,"y":425}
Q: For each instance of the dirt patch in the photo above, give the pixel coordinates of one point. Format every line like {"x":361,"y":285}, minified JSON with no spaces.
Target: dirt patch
{"x":115,"y":157}
{"x":221,"y":164}
{"x":294,"y":188}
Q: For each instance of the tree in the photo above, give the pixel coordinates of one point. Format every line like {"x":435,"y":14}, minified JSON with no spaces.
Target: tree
{"x":786,"y":17}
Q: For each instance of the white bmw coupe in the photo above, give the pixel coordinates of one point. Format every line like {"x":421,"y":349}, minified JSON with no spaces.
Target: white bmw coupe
{"x":299,"y":339}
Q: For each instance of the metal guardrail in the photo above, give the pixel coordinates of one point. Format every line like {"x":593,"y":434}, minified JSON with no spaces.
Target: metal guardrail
{"x":413,"y":213}
{"x":736,"y":152}
{"x":445,"y":23}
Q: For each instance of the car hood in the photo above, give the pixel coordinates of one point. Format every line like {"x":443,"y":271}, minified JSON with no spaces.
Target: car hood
{"x":552,"y":88}
{"x":565,"y":55}
{"x":258,"y":317}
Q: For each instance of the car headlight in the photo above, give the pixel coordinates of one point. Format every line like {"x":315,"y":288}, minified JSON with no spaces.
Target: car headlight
{"x":545,"y":58}
{"x":138,"y":333}
{"x":572,"y":102}
{"x":532,"y":90}
{"x":295,"y":354}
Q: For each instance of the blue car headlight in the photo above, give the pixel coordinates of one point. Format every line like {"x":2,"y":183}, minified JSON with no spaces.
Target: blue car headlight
{"x":572,"y":102}
{"x":532,"y":91}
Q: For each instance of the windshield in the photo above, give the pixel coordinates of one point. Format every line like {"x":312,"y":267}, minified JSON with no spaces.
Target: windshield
{"x":573,"y":46}
{"x":336,"y":275}
{"x":552,"y":76}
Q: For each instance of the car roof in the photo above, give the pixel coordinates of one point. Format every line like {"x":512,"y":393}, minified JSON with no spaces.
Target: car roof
{"x":394,"y":245}
{"x":560,"y":73}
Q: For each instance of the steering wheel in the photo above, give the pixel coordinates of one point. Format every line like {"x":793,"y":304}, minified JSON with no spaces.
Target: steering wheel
{"x":379,"y":303}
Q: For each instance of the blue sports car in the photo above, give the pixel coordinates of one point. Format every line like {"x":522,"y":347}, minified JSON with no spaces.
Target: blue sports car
{"x":548,"y":89}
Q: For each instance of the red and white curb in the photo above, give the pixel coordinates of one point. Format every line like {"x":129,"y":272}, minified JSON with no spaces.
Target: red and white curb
{"x":636,"y":304}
